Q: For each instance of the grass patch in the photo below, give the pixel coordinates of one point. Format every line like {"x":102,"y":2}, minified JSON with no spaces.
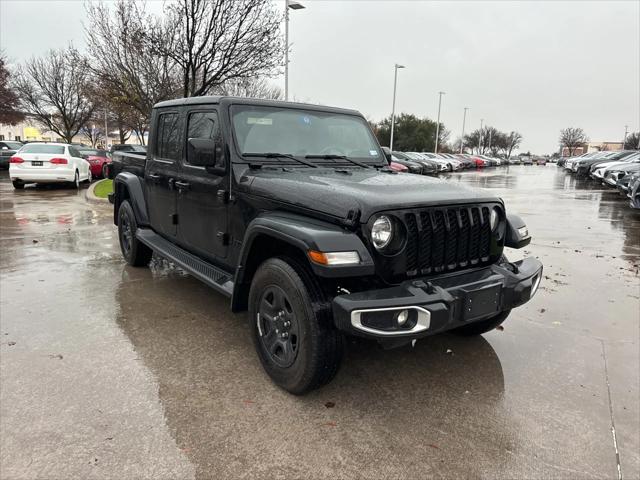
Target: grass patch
{"x":103,"y":188}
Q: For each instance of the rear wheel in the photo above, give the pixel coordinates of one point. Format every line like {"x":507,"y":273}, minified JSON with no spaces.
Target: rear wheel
{"x":292,"y":328}
{"x":136,"y":254}
{"x":89,"y":176}
{"x":76,"y":180}
{"x":18,"y":185}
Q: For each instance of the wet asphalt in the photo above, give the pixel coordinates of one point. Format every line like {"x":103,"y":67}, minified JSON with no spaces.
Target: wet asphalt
{"x":108,"y":371}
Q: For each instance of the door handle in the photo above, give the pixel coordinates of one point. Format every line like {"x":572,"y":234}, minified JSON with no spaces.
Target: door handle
{"x":154,"y":177}
{"x":182,"y":185}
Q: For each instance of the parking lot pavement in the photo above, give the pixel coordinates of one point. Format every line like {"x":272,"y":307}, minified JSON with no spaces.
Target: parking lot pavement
{"x":108,"y":371}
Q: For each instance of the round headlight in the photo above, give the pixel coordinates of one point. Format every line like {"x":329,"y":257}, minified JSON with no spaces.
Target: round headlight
{"x":381,"y":232}
{"x":494,"y":217}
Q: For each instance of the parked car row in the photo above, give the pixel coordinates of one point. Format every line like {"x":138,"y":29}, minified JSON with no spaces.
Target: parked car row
{"x":48,"y":162}
{"x":619,"y":170}
{"x":428,"y":163}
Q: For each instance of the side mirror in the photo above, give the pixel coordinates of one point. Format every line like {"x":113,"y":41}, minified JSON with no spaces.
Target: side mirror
{"x":387,"y":153}
{"x":207,"y":153}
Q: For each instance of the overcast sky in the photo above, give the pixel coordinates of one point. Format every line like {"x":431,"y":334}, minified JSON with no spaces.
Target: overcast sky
{"x":532,"y":67}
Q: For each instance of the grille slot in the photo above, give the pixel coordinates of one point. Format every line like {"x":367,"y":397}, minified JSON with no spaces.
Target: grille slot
{"x":446,"y":239}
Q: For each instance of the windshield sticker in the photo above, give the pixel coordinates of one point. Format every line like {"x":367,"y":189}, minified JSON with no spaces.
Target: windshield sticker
{"x":373,"y":153}
{"x":305,"y":120}
{"x":259,"y":121}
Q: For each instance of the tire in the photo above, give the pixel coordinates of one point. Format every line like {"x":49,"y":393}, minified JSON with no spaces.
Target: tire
{"x":315,"y":347}
{"x":89,"y":177}
{"x":104,"y":170}
{"x":136,"y":254}
{"x":484,"y":326}
{"x":76,"y":181}
{"x":18,"y":185}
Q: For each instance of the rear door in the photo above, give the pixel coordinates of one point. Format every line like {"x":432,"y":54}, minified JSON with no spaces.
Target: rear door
{"x":202,"y":207}
{"x":161,"y":172}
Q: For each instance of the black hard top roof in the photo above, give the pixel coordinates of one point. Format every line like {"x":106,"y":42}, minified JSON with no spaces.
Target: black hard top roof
{"x":208,"y":100}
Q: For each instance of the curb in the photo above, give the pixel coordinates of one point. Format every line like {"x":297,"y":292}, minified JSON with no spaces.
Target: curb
{"x":92,"y":197}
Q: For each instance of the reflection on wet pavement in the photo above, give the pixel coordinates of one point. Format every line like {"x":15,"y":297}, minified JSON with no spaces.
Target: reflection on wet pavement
{"x":110,"y":372}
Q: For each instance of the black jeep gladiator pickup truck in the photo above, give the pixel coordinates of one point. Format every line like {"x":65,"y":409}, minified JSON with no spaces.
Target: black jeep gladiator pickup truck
{"x":292,"y":211}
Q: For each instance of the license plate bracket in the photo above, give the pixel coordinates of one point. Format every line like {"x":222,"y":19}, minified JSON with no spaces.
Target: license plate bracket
{"x":482,"y":301}
{"x":36,"y":163}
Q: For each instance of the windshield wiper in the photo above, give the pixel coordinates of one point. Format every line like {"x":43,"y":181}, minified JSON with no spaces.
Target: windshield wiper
{"x":339,"y":157}
{"x":279,"y":155}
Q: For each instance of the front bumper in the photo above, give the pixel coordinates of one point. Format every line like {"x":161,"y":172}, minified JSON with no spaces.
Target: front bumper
{"x":437,"y":304}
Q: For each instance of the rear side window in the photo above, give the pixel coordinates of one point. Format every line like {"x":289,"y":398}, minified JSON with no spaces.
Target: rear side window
{"x":203,"y":125}
{"x":36,"y":148}
{"x":168,"y":144}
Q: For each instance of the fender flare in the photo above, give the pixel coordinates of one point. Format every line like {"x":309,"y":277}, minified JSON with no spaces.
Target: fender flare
{"x":514,"y":235}
{"x":128,"y":185}
{"x":303,"y":234}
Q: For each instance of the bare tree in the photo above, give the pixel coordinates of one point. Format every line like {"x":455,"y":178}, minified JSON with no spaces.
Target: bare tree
{"x":632,"y":141}
{"x":53,"y":91}
{"x":131,"y":74}
{"x":92,"y":132}
{"x":215,"y":41}
{"x":250,"y":87}
{"x":572,"y":138}
{"x":514,"y":139}
{"x":10,"y":113}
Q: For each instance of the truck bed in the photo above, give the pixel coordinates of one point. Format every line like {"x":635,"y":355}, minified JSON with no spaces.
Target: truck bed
{"x":127,"y":162}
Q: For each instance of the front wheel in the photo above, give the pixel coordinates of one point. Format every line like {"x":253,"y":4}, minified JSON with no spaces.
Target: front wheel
{"x":292,"y":328}
{"x":136,"y":253}
{"x":105,"y":171}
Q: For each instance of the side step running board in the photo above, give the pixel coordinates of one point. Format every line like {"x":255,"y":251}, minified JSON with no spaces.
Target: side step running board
{"x":204,"y":271}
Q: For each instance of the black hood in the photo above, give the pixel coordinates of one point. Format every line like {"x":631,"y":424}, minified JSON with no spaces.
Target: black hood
{"x":336,"y":192}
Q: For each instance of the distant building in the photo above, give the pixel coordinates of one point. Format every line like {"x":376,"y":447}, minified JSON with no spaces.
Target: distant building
{"x":29,"y":131}
{"x":594,"y":147}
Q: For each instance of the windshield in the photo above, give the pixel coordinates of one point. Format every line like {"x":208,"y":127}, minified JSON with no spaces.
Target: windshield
{"x":303,"y":133}
{"x":39,"y":148}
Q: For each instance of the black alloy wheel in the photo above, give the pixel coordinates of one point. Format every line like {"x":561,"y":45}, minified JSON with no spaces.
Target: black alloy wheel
{"x":278,"y":326}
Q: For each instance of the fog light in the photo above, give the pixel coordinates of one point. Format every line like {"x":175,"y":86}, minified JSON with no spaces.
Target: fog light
{"x":402,"y":317}
{"x":523,"y":232}
{"x":535,"y":284}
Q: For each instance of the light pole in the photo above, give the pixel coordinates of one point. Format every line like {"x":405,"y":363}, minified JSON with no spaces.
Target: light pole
{"x":393,"y":108}
{"x":481,"y":137}
{"x":435,"y":150}
{"x":293,"y":5}
{"x":464,"y":119}
{"x":490,"y":133}
{"x":106,"y":131}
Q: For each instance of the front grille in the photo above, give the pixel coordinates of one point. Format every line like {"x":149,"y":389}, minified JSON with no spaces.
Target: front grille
{"x":446,"y":239}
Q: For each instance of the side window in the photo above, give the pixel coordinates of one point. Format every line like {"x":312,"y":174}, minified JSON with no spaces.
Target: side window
{"x":168,"y":144}
{"x":202,"y":125}
{"x":73,"y":152}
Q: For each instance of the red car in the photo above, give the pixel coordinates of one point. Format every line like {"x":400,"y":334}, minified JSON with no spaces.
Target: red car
{"x":98,"y":160}
{"x":478,"y":162}
{"x":398,"y":167}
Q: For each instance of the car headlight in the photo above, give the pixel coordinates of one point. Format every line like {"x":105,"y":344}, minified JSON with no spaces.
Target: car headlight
{"x":381,"y":232}
{"x":494,"y":217}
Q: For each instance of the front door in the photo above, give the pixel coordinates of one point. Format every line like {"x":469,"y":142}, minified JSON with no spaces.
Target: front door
{"x":202,"y":196}
{"x":162,"y":171}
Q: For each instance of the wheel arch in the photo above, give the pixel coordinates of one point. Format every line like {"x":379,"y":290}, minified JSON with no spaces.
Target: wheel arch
{"x":127,"y":186}
{"x":293,"y":236}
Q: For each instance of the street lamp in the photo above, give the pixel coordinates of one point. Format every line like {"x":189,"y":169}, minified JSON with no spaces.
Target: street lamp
{"x":438,"y":124}
{"x":393,"y":108}
{"x":293,"y":5}
{"x":464,"y":119}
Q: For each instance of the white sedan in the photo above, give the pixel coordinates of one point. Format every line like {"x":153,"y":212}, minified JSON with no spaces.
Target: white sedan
{"x":48,"y":163}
